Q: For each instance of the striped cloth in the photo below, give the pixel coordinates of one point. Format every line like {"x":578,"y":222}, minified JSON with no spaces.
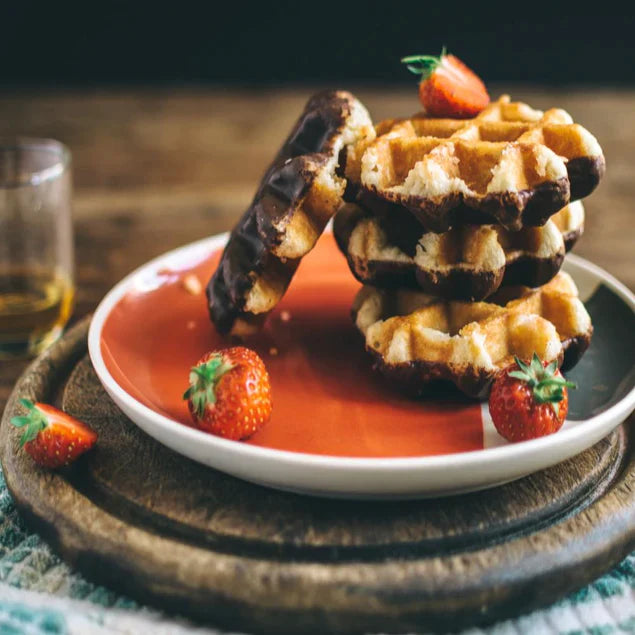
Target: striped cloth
{"x":40,"y":595}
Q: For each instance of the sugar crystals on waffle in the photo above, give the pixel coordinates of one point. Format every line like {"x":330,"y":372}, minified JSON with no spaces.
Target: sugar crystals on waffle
{"x":510,"y":164}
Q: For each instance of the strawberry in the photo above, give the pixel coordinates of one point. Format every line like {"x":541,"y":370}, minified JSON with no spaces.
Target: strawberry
{"x":229,"y":393}
{"x":52,"y":437}
{"x":529,"y":400}
{"x":448,"y":87}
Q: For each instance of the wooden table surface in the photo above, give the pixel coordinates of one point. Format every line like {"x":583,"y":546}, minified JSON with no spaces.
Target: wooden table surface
{"x":156,"y":169}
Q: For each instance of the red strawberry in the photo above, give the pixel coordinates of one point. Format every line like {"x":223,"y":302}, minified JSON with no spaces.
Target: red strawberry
{"x":229,"y":393}
{"x":529,"y":400}
{"x":448,"y":87}
{"x":52,"y":437}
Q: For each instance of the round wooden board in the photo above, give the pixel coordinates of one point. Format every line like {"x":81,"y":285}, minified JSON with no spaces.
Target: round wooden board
{"x":172,"y":533}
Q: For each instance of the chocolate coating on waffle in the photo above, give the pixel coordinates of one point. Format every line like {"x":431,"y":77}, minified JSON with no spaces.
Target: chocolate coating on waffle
{"x":513,"y":210}
{"x":509,"y":165}
{"x":296,"y":197}
{"x":585,"y":174}
{"x":416,"y":378}
{"x":415,"y":340}
{"x":383,"y":253}
{"x":246,"y":256}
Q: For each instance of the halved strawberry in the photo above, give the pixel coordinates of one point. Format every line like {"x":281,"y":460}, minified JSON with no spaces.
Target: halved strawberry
{"x":52,"y":437}
{"x":448,"y":87}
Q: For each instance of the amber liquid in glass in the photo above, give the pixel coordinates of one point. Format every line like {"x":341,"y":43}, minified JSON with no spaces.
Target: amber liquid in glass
{"x":35,"y":305}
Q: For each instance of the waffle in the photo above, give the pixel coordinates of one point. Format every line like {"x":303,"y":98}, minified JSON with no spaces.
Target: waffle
{"x":416,"y":338}
{"x":510,"y":165}
{"x":297,"y":196}
{"x":465,"y":263}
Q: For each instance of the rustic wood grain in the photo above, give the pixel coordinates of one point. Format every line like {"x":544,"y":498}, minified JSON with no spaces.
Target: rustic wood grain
{"x":170,"y":532}
{"x":155,"y":169}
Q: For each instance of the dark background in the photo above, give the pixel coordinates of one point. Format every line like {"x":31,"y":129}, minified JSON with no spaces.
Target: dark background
{"x":309,"y":42}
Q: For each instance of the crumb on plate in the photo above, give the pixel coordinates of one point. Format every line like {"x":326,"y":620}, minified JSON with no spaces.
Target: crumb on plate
{"x":192,"y":284}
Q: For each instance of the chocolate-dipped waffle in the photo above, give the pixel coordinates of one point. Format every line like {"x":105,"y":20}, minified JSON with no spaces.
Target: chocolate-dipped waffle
{"x":466,"y":263}
{"x":510,"y":165}
{"x":297,"y":196}
{"x":416,"y":338}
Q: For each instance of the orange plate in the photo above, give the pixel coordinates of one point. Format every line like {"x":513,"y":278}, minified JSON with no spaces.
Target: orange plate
{"x":327,"y":400}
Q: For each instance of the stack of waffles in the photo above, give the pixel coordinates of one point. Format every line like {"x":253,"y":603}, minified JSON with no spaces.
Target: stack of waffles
{"x":458,"y":229}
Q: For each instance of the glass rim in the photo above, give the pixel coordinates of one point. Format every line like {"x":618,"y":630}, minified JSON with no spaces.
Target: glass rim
{"x":35,"y":177}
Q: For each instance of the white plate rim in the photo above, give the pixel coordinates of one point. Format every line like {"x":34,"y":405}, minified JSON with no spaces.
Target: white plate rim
{"x":463,"y":460}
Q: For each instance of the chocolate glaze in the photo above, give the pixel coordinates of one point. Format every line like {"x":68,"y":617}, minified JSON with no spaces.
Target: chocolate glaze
{"x":574,"y":348}
{"x":531,"y":271}
{"x":247,"y":254}
{"x":571,"y":238}
{"x":314,"y":131}
{"x":280,"y":194}
{"x":402,"y":229}
{"x":457,"y":284}
{"x":344,"y":223}
{"x":414,"y":377}
{"x":460,"y":284}
{"x":384,"y":274}
{"x":585,"y":174}
{"x":512,"y":210}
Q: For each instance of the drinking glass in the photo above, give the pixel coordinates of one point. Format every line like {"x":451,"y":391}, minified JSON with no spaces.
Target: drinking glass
{"x":36,"y":244}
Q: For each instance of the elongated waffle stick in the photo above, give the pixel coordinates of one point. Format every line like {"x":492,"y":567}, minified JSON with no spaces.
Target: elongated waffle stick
{"x":297,"y":196}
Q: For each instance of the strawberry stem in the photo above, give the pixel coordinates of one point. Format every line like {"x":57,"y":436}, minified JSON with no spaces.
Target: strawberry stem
{"x":203,"y":381}
{"x":34,"y":422}
{"x":423,"y":65}
{"x":546,"y":386}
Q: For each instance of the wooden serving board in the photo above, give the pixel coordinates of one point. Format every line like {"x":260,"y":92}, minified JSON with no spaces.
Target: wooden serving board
{"x":167,"y":531}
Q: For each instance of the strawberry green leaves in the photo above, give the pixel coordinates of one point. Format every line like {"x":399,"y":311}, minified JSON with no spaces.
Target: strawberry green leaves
{"x":34,"y":422}
{"x":423,"y":65}
{"x":547,"y":387}
{"x":203,"y":381}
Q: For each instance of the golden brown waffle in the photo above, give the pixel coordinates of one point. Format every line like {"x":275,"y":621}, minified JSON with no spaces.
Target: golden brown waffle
{"x":464,"y":263}
{"x":416,"y":338}
{"x":511,"y":165}
{"x":297,"y":196}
